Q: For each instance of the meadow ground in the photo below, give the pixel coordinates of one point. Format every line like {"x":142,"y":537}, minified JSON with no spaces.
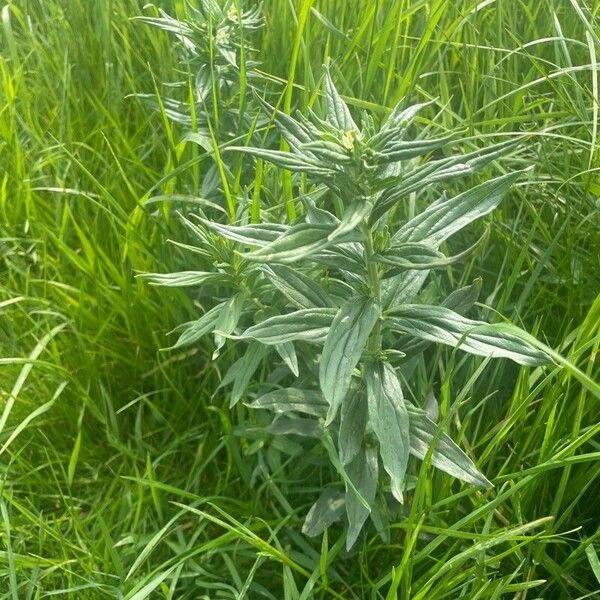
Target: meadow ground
{"x":120,"y":476}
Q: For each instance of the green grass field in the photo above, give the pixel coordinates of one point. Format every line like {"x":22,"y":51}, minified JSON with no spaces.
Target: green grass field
{"x":120,"y":474}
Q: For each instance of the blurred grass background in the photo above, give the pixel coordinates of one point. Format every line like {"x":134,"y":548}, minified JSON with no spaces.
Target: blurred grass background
{"x":100,"y":433}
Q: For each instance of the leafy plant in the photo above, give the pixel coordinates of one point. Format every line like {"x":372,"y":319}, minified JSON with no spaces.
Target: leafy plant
{"x":336,"y":299}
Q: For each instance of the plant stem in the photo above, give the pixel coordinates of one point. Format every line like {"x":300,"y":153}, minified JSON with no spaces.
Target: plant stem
{"x":374,"y":343}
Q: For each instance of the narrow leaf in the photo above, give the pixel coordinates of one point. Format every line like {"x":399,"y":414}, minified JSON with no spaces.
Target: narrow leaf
{"x":440,"y":324}
{"x":363,"y":471}
{"x":353,"y":422}
{"x":445,"y":217}
{"x":446,"y":455}
{"x":328,"y":509}
{"x":389,"y":419}
{"x":292,"y":400}
{"x":183,"y":278}
{"x":254,"y":235}
{"x":338,"y":113}
{"x":299,"y":242}
{"x":288,"y":353}
{"x":241,"y":371}
{"x":343,"y":347}
{"x":311,"y":324}
{"x":298,"y":288}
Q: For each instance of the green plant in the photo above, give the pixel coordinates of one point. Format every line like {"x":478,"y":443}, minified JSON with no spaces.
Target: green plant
{"x":350,"y":302}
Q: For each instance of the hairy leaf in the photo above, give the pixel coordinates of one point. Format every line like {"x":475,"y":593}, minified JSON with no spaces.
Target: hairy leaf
{"x":445,"y":217}
{"x":241,"y":371}
{"x":343,"y":347}
{"x":446,"y":455}
{"x":353,"y":422}
{"x":300,"y":241}
{"x":298,"y":288}
{"x":338,"y":113}
{"x":440,"y":324}
{"x":328,"y":509}
{"x":389,"y":419}
{"x":363,"y":472}
{"x":310,"y":324}
{"x":292,"y":400}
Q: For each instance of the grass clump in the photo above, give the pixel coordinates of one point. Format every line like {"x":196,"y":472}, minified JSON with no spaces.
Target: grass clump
{"x":124,"y":473}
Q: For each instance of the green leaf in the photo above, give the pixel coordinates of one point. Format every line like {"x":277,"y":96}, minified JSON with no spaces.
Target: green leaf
{"x":292,"y":161}
{"x":227,"y":321}
{"x":298,"y":426}
{"x":397,"y":150}
{"x":299,"y":242}
{"x":328,"y":509}
{"x":440,"y":324}
{"x":292,"y":400}
{"x":310,"y":324}
{"x":241,"y":371}
{"x":446,"y":455}
{"x":338,"y":113}
{"x":363,"y":472}
{"x":184,"y":278}
{"x":464,"y":298}
{"x":434,"y":171}
{"x":420,"y":255}
{"x":389,"y":419}
{"x":293,"y":131}
{"x":343,"y":347}
{"x":254,"y":235}
{"x":354,"y":215}
{"x":353,"y":422}
{"x":445,"y":217}
{"x":288,"y":353}
{"x":192,"y":331}
{"x":300,"y":289}
{"x":402,"y":288}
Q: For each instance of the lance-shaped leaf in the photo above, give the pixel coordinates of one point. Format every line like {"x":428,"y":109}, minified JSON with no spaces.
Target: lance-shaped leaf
{"x":353,"y":422}
{"x":293,"y":131}
{"x":343,"y":347}
{"x":300,"y":289}
{"x":192,"y":331}
{"x":288,"y":353}
{"x":338,"y":113}
{"x":354,"y":215}
{"x":402,"y":288}
{"x":419,"y":255}
{"x":292,"y":161}
{"x":395,"y":151}
{"x":254,"y":235}
{"x":440,"y":324}
{"x":444,"y":218}
{"x":296,"y":426}
{"x":434,"y":171}
{"x":241,"y":371}
{"x":363,"y":472}
{"x":446,"y":455}
{"x":227,"y":321}
{"x":329,"y":152}
{"x":459,"y":301}
{"x":389,"y":419}
{"x":286,"y":400}
{"x":328,"y":509}
{"x":310,"y":324}
{"x":184,"y":278}
{"x":299,"y":242}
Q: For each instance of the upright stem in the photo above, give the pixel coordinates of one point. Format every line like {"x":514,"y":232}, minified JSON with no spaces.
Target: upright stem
{"x":374,"y":343}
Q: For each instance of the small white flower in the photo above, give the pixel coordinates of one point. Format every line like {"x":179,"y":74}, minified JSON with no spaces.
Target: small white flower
{"x":232,"y":14}
{"x":348,"y":138}
{"x":222,"y":37}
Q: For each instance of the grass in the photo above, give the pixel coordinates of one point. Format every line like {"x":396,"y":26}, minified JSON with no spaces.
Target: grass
{"x":120,"y":476}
